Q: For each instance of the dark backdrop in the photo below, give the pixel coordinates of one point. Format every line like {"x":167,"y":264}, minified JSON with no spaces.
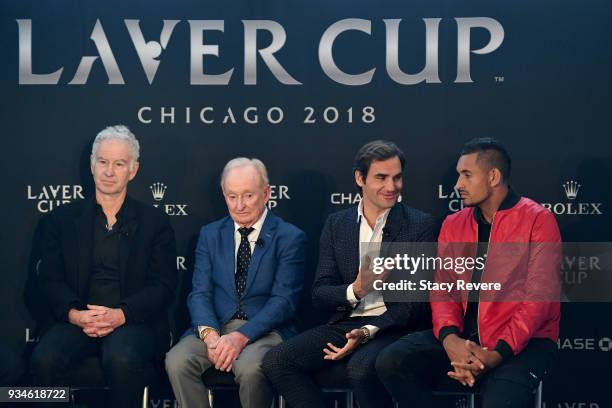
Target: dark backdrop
{"x":544,"y":92}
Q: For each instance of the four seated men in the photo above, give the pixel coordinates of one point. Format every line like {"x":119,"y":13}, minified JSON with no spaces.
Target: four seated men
{"x":108,"y":273}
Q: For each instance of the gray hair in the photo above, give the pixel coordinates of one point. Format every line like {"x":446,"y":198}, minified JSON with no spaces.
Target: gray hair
{"x":117,"y":132}
{"x":243,"y":162}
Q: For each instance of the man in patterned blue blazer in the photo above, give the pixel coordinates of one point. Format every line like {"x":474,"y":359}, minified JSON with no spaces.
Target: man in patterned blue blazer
{"x":361,"y":322}
{"x":249,"y":272}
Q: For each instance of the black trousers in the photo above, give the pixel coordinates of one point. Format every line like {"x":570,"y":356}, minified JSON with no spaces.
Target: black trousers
{"x":290,"y":365}
{"x":415,"y":365}
{"x":124,"y":354}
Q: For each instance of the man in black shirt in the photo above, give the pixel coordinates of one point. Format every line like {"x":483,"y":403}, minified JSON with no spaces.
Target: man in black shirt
{"x":108,"y":271}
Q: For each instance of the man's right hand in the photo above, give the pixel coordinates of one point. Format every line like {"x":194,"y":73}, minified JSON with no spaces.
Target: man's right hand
{"x":89,"y":320}
{"x":211,"y":346}
{"x":457,"y":351}
{"x":364,"y":282}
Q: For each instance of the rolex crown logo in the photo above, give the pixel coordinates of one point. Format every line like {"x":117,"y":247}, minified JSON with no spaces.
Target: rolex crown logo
{"x":571,"y":189}
{"x":158,"y":190}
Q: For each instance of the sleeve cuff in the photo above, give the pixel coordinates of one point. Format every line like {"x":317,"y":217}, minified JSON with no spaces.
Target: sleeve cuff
{"x":200,"y":328}
{"x":126,"y":313}
{"x":350,"y":296}
{"x":447,"y":330}
{"x":373,"y":330}
{"x":73,"y":305}
{"x":504,"y":349}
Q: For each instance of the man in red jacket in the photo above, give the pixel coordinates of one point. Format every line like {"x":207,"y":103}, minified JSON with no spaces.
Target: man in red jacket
{"x":500,"y":340}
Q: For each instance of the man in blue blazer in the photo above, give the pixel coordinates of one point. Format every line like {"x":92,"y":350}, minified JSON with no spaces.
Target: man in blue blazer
{"x":249,"y":272}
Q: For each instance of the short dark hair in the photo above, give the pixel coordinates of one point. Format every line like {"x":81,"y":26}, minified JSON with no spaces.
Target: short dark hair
{"x":378,"y":150}
{"x":492,"y":152}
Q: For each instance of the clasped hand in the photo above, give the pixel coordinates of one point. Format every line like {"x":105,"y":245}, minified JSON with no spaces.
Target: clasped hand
{"x":468,"y":359}
{"x":223,"y":351}
{"x":97,"y":321}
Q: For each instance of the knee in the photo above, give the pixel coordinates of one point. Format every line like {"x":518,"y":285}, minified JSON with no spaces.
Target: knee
{"x":44,"y":363}
{"x":360,"y":373}
{"x":507,"y":393}
{"x":390,"y":363}
{"x":249,"y":373}
{"x":124,"y":361}
{"x":387,"y":363}
{"x":273,"y":360}
{"x":176,"y":363}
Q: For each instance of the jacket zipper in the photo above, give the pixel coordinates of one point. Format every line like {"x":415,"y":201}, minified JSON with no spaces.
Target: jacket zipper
{"x":482,"y":275}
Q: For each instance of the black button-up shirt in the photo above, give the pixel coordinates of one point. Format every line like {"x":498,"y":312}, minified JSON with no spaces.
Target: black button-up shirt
{"x":104,"y":283}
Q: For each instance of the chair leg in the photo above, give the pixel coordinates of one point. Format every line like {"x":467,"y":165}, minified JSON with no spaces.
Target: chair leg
{"x":72,"y":399}
{"x":471,"y":400}
{"x":145,"y":397}
{"x":349,"y":399}
{"x":538,"y":397}
{"x":211,"y":398}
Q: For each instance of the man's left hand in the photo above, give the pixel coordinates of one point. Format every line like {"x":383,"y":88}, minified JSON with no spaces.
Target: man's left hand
{"x":114,"y":317}
{"x":482,"y":360}
{"x":228,"y":349}
{"x":353,"y":340}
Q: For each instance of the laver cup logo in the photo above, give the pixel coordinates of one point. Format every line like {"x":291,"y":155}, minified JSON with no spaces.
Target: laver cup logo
{"x":573,"y":206}
{"x":158,"y":191}
{"x":277,"y":193}
{"x":452,"y":196}
{"x":51,"y":196}
{"x":151,"y":52}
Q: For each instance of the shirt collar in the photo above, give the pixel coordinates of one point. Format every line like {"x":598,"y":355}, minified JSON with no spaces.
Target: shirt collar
{"x":258,"y":225}
{"x":381,"y":218}
{"x":118,"y":215}
{"x":509,"y":201}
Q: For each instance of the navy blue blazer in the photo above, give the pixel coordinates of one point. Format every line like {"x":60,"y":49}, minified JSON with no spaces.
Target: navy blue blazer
{"x":274,"y":281}
{"x":339,"y":264}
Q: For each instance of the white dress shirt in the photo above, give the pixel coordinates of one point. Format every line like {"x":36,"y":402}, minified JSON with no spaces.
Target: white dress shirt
{"x":371,"y":304}
{"x":253,"y":237}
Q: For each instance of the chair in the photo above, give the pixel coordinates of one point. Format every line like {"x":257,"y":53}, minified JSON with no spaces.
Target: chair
{"x":471,"y":396}
{"x":330,"y":380}
{"x":88,"y":375}
{"x":216,"y":380}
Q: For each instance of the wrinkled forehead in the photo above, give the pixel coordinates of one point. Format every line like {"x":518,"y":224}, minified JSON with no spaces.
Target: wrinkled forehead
{"x":114,"y":149}
{"x":242,"y":179}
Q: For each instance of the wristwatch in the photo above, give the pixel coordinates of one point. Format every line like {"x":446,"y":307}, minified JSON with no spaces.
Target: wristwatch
{"x":206,"y":331}
{"x":366,"y":334}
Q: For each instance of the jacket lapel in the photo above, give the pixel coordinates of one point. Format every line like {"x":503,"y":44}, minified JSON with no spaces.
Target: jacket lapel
{"x":264,"y":242}
{"x":228,"y":251}
{"x":353,"y":241}
{"x":127,"y":232}
{"x":394,"y":224}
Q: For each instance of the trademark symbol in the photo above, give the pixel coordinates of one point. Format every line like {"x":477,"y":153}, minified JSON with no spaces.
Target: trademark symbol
{"x":499,"y":79}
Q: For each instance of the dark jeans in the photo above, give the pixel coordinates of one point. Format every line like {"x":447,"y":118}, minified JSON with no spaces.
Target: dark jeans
{"x":291,"y":365}
{"x":124,"y":354}
{"x":415,"y":365}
